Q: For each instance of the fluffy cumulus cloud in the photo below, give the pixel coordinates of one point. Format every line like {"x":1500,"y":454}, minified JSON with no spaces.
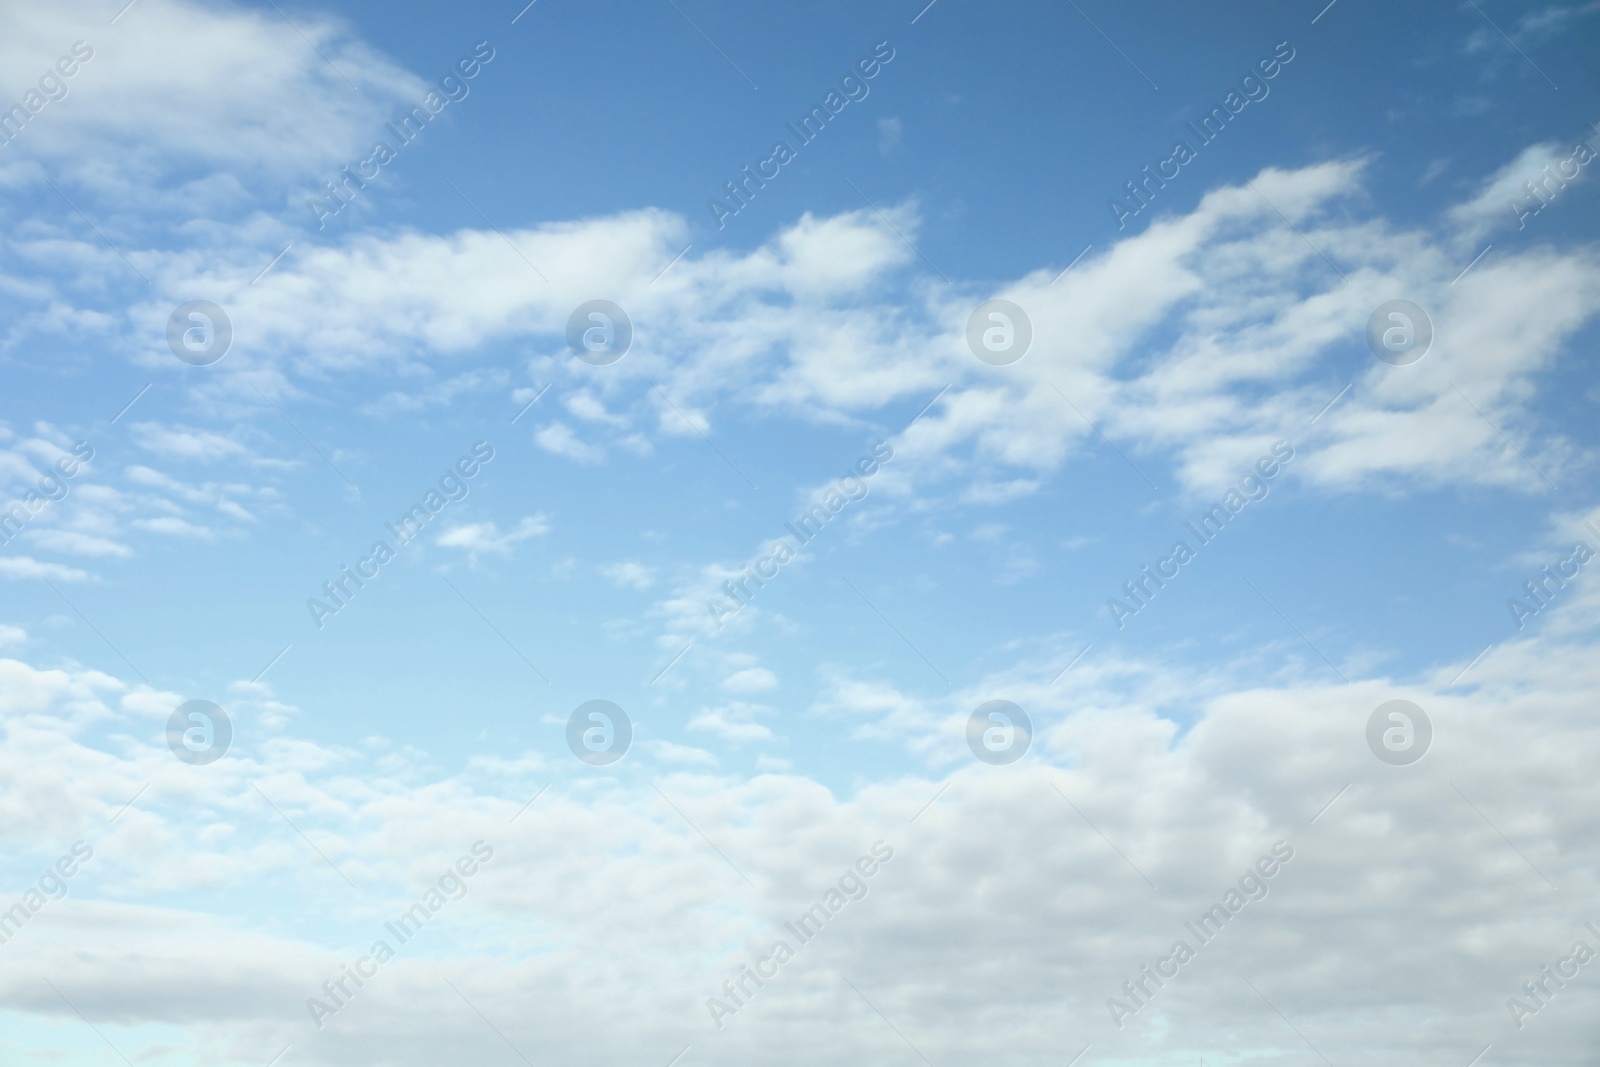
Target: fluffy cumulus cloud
{"x":481,"y":537}
{"x":1197,"y":340}
{"x":175,"y":84}
{"x":1200,"y":341}
{"x":1427,"y":892}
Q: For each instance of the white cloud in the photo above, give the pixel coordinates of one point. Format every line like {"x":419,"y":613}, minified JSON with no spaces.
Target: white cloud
{"x":688,"y":755}
{"x":1532,"y":28}
{"x":27,"y":567}
{"x":736,"y":722}
{"x":1193,"y":343}
{"x":1492,"y":208}
{"x":834,"y":256}
{"x":558,"y":438}
{"x":77,"y":544}
{"x":175,"y":84}
{"x":630,"y":574}
{"x":475,"y":537}
{"x":212,"y":494}
{"x":185,"y":443}
{"x":607,"y":890}
{"x":585,"y":405}
{"x":750,"y":680}
{"x":891,"y":132}
{"x":175,"y":527}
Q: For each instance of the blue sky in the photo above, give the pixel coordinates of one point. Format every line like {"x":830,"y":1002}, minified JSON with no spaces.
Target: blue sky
{"x":1383,"y":158}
